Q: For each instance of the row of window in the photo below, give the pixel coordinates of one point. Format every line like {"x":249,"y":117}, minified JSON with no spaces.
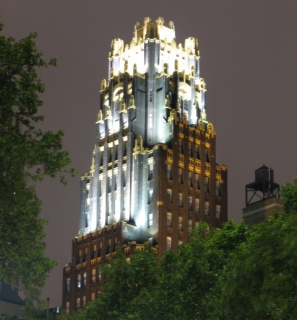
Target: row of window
{"x":192,"y":150}
{"x":113,"y":153}
{"x":193,"y":179}
{"x":81,"y":279}
{"x":96,"y":251}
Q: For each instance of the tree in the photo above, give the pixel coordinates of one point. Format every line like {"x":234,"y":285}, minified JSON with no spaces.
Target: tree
{"x":289,"y":196}
{"x":27,"y":155}
{"x":175,"y":288}
{"x":259,"y":282}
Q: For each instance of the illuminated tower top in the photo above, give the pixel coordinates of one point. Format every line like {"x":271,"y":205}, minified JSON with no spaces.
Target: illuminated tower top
{"x":152,"y":56}
{"x":153,"y":100}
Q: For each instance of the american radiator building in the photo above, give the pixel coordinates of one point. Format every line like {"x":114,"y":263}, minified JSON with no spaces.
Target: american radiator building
{"x":153,"y":174}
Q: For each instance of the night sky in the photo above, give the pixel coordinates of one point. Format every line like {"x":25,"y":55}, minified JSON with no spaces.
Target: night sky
{"x":248,"y":59}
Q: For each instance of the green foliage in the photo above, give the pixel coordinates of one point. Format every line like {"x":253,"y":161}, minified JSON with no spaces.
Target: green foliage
{"x":289,"y":196}
{"x":259,"y":282}
{"x":27,"y":154}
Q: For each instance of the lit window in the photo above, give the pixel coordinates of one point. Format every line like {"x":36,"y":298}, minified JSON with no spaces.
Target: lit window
{"x":180,"y":223}
{"x":79,"y":280}
{"x":77,"y":304}
{"x":67,"y":308}
{"x":68,"y":284}
{"x":197,"y":205}
{"x":84,"y":300}
{"x":93,"y":275}
{"x":150,"y":196}
{"x":190,"y":226}
{"x":85,"y":279}
{"x":150,"y":220}
{"x":218,"y":211}
{"x":169,"y":219}
{"x":206,"y":210}
{"x":93,"y":296}
{"x":99,"y":276}
{"x":168,"y":243}
{"x":180,"y":199}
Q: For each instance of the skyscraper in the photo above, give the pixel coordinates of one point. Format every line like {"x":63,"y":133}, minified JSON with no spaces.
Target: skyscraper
{"x":154,"y":174}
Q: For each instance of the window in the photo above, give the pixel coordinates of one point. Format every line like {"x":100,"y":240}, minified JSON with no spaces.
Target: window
{"x":85,"y":279}
{"x":197,"y":205}
{"x":77,"y":304}
{"x":190,"y":226}
{"x":124,"y":178}
{"x":206,"y":184}
{"x":180,"y":223}
{"x":169,"y":172}
{"x":79,"y":257}
{"x":84,"y":300}
{"x":150,"y":196}
{"x":93,"y":275}
{"x":218,"y":192}
{"x":169,"y":195}
{"x":190,"y":179}
{"x":68,"y":285}
{"x":85,"y":255}
{"x":169,"y":219}
{"x":150,"y":172}
{"x":180,"y":175}
{"x":93,"y":296}
{"x":150,"y":219}
{"x":180,"y":148}
{"x":67,"y":308}
{"x":190,"y":203}
{"x":196,"y":151}
{"x":94,"y":253}
{"x":168,"y":243}
{"x":197,"y":181}
{"x":206,"y":152}
{"x":99,"y":276}
{"x":180,"y":199}
{"x":190,"y":149}
{"x":79,"y":280}
{"x":206,"y":209}
{"x":87,"y":219}
{"x":218,"y":211}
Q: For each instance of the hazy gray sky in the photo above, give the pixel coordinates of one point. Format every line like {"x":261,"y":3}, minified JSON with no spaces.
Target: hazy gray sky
{"x":248,"y":60}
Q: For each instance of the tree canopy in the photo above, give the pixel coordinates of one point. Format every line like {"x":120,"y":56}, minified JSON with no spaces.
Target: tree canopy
{"x":27,"y":155}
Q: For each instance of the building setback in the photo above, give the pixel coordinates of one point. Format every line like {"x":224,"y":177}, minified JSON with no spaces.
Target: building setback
{"x":154,"y":174}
